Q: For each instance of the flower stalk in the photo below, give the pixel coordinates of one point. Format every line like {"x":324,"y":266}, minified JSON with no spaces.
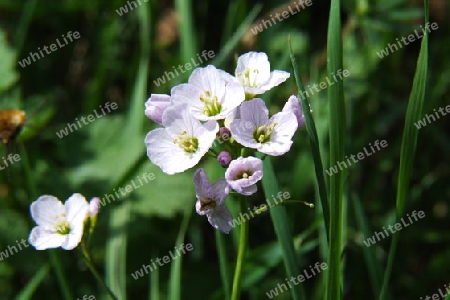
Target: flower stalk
{"x":243,"y":241}
{"x":87,"y":259}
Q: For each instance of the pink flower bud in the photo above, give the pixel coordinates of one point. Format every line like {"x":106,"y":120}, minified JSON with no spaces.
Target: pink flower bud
{"x":224,"y":134}
{"x":94,"y":206}
{"x":224,"y":158}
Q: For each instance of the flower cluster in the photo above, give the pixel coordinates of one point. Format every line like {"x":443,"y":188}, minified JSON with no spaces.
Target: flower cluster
{"x":215,"y":106}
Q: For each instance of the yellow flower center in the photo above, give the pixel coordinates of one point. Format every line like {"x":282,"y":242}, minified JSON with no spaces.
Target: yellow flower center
{"x":62,"y":227}
{"x":262,"y":134}
{"x":188,"y":143}
{"x":244,"y":175}
{"x":212,"y":104}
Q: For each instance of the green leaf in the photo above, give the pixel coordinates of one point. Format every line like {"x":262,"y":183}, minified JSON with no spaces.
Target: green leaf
{"x":408,"y":148}
{"x":337,"y":144}
{"x":282,"y":229}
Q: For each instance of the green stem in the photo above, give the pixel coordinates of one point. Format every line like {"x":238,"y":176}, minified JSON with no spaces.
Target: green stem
{"x":87,"y":259}
{"x":241,"y":255}
{"x":224,"y":270}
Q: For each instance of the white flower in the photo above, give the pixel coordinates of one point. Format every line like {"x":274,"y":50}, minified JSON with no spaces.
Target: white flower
{"x":59,"y":225}
{"x":211,"y":201}
{"x":253,"y":72}
{"x":243,"y":173}
{"x":255,"y":130}
{"x":182,"y":143}
{"x":208,"y":95}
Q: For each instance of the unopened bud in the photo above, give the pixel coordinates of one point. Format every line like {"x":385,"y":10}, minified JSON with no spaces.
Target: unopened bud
{"x":224,"y":158}
{"x":94,"y":206}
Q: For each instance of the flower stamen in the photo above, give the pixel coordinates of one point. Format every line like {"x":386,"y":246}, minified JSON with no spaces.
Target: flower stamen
{"x":62,"y":227}
{"x":263,"y":133}
{"x":188,"y":143}
{"x":212,"y":105}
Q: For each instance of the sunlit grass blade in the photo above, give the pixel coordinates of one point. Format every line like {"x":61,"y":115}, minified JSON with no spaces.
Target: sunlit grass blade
{"x":188,"y":37}
{"x":337,"y":143}
{"x":409,"y":143}
{"x":154,"y":285}
{"x":282,"y":229}
{"x":241,"y":256}
{"x":223,"y":261}
{"x":314,"y":144}
{"x":28,"y":291}
{"x":175,"y":267}
{"x":116,"y":249}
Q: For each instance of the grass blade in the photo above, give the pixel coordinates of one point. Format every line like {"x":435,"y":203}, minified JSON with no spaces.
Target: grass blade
{"x":234,"y":40}
{"x":175,"y":267}
{"x":409,"y":143}
{"x":282,"y":230}
{"x":188,"y":37}
{"x":30,"y":288}
{"x":314,"y":144}
{"x":337,"y":144}
{"x":223,"y":261}
{"x":373,"y":266}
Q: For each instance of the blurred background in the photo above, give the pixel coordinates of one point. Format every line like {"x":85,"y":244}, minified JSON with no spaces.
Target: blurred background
{"x":119,"y":56}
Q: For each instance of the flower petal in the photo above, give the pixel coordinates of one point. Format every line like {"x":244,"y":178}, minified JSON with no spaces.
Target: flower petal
{"x":221,"y":219}
{"x":293,"y":105}
{"x":248,"y":190}
{"x":276,"y":77}
{"x":255,"y":111}
{"x":156,"y":105}
{"x":220,"y":190}
{"x":73,"y":238}
{"x":165,"y":154}
{"x":42,"y":239}
{"x":203,"y":186}
{"x":258,"y":67}
{"x":46,"y":210}
{"x":77,"y":210}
